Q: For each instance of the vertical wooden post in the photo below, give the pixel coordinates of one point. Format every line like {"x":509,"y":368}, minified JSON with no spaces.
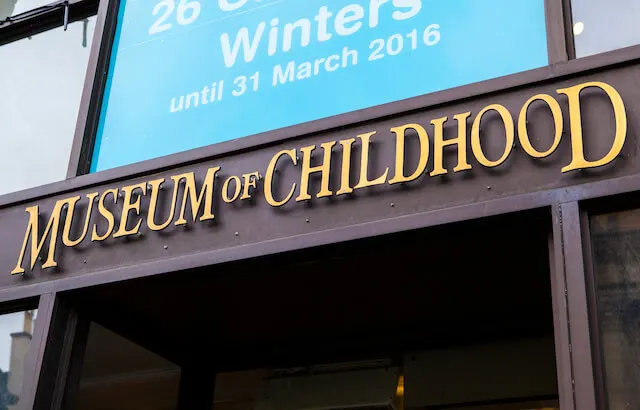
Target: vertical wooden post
{"x":559,"y":42}
{"x":569,"y":268}
{"x":560,"y":313}
{"x":55,"y":356}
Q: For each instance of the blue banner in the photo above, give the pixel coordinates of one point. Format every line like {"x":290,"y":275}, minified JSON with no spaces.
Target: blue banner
{"x":188,"y":73}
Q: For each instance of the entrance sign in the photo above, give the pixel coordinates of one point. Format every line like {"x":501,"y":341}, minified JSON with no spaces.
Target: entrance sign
{"x":189,"y":73}
{"x":343,"y":167}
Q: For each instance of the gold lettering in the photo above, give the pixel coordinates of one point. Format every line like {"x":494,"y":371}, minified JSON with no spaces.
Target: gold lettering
{"x":509,"y":130}
{"x":250,"y":181}
{"x":364,"y":181}
{"x":130,"y":206}
{"x":401,"y":134}
{"x":324,"y":169}
{"x":268,"y":178}
{"x":66,"y":232}
{"x":102,"y":209}
{"x":190,"y":195}
{"x":37,"y":241}
{"x":345,"y":187}
{"x":578,"y":161}
{"x":225,"y":189}
{"x":37,"y":244}
{"x":155,"y":187}
{"x":439,"y":143}
{"x":523,"y":133}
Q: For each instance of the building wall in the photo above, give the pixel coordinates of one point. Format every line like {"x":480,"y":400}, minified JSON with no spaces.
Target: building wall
{"x":20,"y":344}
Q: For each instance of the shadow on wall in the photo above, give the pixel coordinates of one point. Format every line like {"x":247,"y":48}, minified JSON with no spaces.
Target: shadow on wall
{"x":6,"y":8}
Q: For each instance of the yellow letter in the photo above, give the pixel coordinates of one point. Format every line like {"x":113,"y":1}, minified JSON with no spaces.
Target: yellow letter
{"x":225,"y":189}
{"x":37,"y":244}
{"x":66,"y":232}
{"x":345,"y":187}
{"x":439,"y":143}
{"x":475,"y":136}
{"x":324,"y":169}
{"x":268,"y":178}
{"x":364,"y":165}
{"x":250,"y":181}
{"x":190,"y":194}
{"x":129,"y":206}
{"x":523,"y":133}
{"x":154,"y":187}
{"x":578,"y":160}
{"x":401,"y":134}
{"x":107,"y":215}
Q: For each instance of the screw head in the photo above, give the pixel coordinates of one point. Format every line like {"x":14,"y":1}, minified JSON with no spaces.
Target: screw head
{"x":307,"y":220}
{"x":165,"y":247}
{"x":237,"y":233}
{"x":392,"y":204}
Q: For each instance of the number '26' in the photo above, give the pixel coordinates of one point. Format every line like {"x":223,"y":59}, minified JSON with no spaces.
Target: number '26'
{"x":187,"y":12}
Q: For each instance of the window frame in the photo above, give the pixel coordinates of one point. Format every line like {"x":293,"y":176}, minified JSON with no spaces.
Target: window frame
{"x":626,"y":200}
{"x":44,"y":19}
{"x":568,"y":29}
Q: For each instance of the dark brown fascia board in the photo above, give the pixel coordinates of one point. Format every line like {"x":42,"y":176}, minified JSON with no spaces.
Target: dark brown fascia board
{"x":530,"y":201}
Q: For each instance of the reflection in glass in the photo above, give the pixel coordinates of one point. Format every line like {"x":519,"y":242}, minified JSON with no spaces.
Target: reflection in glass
{"x":118,"y":374}
{"x":601,"y":26}
{"x":41,"y":81}
{"x":518,"y":375}
{"x":616,"y":248}
{"x":6,"y":8}
{"x":12,"y":7}
{"x":16,"y":330}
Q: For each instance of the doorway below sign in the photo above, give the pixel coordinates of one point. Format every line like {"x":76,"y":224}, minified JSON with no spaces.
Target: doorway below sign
{"x":451,"y":317}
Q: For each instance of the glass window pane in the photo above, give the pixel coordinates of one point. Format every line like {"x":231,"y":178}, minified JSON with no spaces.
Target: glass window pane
{"x":616,"y":247}
{"x":16,"y":330}
{"x":600,"y":26}
{"x":41,"y":80}
{"x":13,"y":7}
{"x":118,"y":374}
{"x":512,"y":376}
